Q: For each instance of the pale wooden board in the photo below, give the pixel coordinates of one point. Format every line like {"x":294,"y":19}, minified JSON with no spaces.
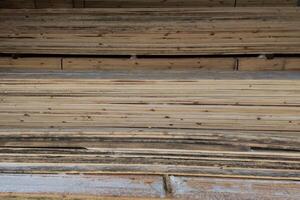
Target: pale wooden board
{"x":121,"y":185}
{"x":43,"y":63}
{"x":204,"y":188}
{"x":263,"y":64}
{"x":164,"y":31}
{"x":125,"y":187}
{"x":148,"y":63}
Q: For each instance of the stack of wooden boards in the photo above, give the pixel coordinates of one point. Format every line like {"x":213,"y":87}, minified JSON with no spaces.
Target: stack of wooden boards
{"x":165,"y":31}
{"x":154,"y":100}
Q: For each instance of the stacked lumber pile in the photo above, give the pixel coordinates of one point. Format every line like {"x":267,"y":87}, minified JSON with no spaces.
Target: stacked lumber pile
{"x":183,"y":31}
{"x":149,"y":100}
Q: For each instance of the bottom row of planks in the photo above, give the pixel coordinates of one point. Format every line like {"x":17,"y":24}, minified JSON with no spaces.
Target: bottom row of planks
{"x":140,"y":187}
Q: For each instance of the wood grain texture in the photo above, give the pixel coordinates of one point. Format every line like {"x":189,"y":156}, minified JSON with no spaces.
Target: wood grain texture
{"x":203,"y":188}
{"x":41,"y":196}
{"x":219,"y":128}
{"x":195,"y":64}
{"x":54,"y":3}
{"x":121,"y":185}
{"x":263,"y":64}
{"x":72,"y":64}
{"x":157,"y":3}
{"x":13,"y":4}
{"x":124,"y":187}
{"x":151,"y":31}
{"x":17,"y":4}
{"x":271,"y":3}
{"x":44,"y":63}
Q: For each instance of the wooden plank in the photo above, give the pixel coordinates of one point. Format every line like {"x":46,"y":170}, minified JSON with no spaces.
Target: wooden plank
{"x":16,"y":4}
{"x":158,"y":31}
{"x":121,"y":186}
{"x":272,"y":3}
{"x":205,"y":188}
{"x":54,"y":4}
{"x":200,"y":63}
{"x":154,"y":75}
{"x":263,"y":64}
{"x":43,"y":63}
{"x":183,"y":187}
{"x":22,"y":196}
{"x":156,"y":3}
{"x":56,"y":92}
{"x":148,"y":63}
{"x":171,"y":116}
{"x":149,"y":169}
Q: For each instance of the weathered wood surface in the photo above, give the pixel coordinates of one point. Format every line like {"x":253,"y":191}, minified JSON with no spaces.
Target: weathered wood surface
{"x":74,"y":64}
{"x":272,"y":3}
{"x":41,"y":196}
{"x":30,"y":63}
{"x":234,"y":128}
{"x":70,"y":187}
{"x":151,"y":31}
{"x":203,"y":188}
{"x":77,"y":64}
{"x":104,"y":185}
{"x":172,"y":138}
{"x":141,"y":3}
{"x":17,"y":4}
{"x":263,"y":64}
{"x":157,"y":3}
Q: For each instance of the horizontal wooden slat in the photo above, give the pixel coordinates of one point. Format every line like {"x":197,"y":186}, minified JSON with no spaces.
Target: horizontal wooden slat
{"x":272,"y":3}
{"x":109,"y":91}
{"x":156,"y":3}
{"x":182,"y":187}
{"x":262,"y":64}
{"x":122,"y":185}
{"x":144,"y":138}
{"x":151,"y":31}
{"x":44,"y":63}
{"x":141,"y":3}
{"x":118,"y":64}
{"x":41,"y":196}
{"x":158,"y":63}
{"x":203,"y":188}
